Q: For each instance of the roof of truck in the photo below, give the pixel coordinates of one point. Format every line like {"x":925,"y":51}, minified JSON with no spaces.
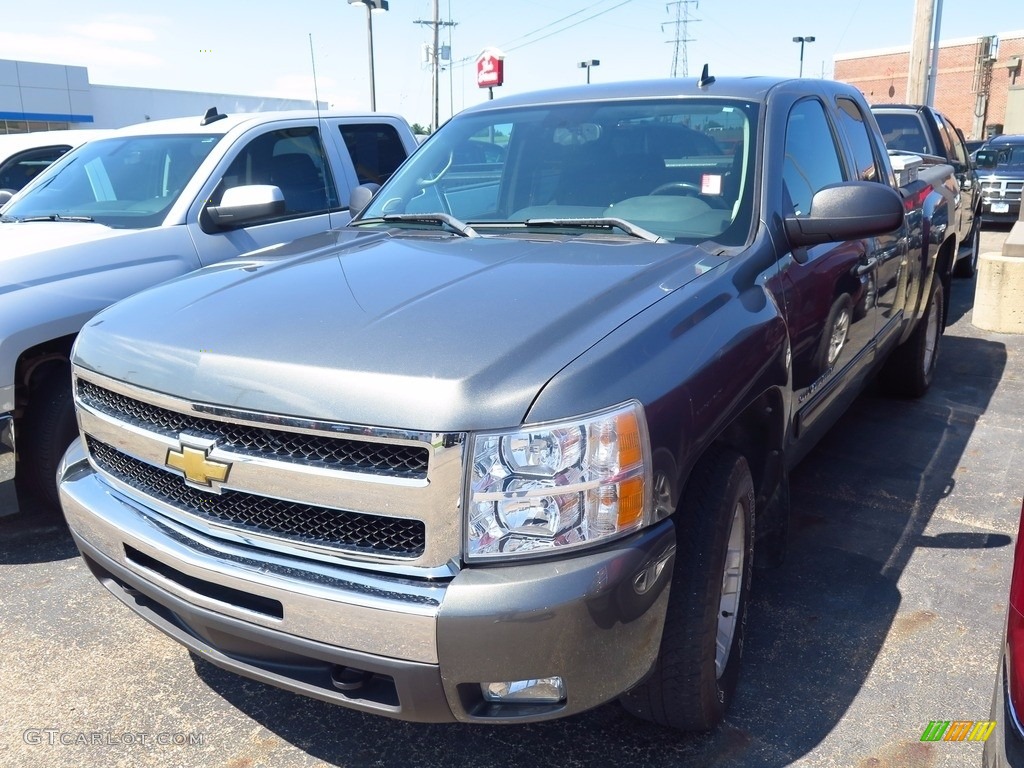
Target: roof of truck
{"x":1004,"y":139}
{"x":220,"y":126}
{"x":754,"y":88}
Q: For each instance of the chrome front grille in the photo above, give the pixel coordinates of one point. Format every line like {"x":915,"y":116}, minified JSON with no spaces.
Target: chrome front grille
{"x":386,"y":459}
{"x":299,"y":523}
{"x":999,"y":190}
{"x":379,"y":497}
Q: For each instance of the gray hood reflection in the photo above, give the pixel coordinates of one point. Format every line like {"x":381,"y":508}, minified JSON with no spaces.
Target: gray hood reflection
{"x":408,"y":330}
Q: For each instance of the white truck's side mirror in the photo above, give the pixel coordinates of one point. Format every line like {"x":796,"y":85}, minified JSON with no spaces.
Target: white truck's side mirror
{"x":240,"y":205}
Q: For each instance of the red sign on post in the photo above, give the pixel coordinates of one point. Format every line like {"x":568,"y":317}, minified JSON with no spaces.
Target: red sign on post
{"x":490,"y":68}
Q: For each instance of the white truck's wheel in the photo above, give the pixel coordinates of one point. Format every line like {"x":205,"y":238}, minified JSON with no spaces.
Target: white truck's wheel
{"x":48,"y":429}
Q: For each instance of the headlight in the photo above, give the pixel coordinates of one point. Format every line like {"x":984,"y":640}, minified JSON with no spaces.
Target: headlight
{"x":559,"y":486}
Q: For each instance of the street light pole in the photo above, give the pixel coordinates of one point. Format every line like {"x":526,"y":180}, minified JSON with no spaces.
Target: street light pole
{"x":587,"y":65}
{"x":371,"y":6}
{"x":801,"y":40}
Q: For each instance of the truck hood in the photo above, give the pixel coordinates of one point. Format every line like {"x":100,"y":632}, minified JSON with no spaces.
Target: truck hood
{"x":1002,"y":172}
{"x":407,"y":330}
{"x":83,"y":257}
{"x":21,"y":239}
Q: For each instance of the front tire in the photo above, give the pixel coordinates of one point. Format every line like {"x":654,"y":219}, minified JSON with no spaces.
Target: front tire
{"x":911,"y":368}
{"x":49,"y":427}
{"x":833,"y":339}
{"x":694,"y":678}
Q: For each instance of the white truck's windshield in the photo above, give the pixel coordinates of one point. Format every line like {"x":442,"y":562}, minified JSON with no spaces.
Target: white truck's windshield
{"x":127,"y":182}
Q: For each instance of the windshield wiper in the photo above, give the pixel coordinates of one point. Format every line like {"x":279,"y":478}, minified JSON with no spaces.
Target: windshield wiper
{"x":600,"y":222}
{"x":456,"y":226}
{"x":56,"y":217}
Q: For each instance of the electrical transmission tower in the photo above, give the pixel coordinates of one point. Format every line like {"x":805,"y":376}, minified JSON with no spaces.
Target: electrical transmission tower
{"x":681,"y":24}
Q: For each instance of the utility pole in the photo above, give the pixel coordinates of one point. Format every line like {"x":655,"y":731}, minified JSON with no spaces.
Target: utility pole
{"x":933,"y":71}
{"x":681,"y":25}
{"x":435,"y":59}
{"x":917,"y":75}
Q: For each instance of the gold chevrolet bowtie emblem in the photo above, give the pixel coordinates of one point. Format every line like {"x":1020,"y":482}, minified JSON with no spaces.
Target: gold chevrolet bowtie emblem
{"x":197,"y":468}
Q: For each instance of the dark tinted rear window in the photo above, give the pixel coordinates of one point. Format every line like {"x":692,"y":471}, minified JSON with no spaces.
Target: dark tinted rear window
{"x":376,"y":151}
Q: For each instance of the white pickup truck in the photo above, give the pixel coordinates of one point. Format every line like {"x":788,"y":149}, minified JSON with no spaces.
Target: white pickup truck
{"x":149,"y":203}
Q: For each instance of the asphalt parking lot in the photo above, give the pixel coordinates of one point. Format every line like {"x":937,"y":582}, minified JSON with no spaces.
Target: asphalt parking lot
{"x":887,"y":614}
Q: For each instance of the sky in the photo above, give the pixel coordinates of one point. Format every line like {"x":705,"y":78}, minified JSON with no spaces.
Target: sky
{"x":264,"y":48}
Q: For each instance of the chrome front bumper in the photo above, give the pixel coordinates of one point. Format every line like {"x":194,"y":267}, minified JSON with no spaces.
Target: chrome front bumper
{"x":415,"y":649}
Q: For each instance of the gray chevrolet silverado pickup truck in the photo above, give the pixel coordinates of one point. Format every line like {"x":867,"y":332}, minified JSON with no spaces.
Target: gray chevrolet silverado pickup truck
{"x":507,"y":446}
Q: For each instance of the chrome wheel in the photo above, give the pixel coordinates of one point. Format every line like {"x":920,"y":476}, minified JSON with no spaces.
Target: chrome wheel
{"x":840,"y":328}
{"x":975,"y":243}
{"x":732,"y":585}
{"x":967,"y":259}
{"x":931,"y":336}
{"x":662,"y":496}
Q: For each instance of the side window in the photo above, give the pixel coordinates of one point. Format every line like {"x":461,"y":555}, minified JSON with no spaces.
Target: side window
{"x":851,"y":121}
{"x":376,"y":151}
{"x":812,"y":158}
{"x":944,"y":136}
{"x":19,"y":170}
{"x":291,"y":159}
{"x":956,"y":143}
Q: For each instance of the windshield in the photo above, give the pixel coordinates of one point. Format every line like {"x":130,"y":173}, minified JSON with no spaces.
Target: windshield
{"x":680,"y":169}
{"x":128,"y":182}
{"x":1009,"y":155}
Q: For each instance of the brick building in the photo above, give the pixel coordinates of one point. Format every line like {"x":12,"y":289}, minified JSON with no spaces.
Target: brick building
{"x":979,"y":85}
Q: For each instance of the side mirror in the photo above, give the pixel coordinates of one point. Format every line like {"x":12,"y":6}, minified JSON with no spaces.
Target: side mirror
{"x":240,"y":205}
{"x":5,"y":195}
{"x":361,"y":197}
{"x":847,"y":211}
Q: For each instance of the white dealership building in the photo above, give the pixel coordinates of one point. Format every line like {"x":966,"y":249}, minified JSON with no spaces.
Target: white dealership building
{"x":39,"y":97}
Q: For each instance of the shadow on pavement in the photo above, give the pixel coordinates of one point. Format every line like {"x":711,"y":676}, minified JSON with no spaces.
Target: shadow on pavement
{"x":604,"y":736}
{"x":962,"y":300}
{"x":29,"y":538}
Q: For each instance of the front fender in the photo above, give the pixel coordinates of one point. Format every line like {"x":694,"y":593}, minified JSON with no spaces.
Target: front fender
{"x":696,"y":360}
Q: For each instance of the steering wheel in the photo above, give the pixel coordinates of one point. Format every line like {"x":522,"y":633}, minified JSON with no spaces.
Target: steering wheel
{"x":677,"y":188}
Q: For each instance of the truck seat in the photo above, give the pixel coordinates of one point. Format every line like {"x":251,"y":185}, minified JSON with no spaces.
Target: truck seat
{"x":297,"y":176}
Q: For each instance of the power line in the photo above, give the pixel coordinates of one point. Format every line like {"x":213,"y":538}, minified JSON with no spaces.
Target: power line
{"x":556,"y":21}
{"x":506,"y":47}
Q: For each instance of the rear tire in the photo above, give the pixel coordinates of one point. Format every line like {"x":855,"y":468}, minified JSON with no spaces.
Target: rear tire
{"x":911,"y":368}
{"x":694,"y":678}
{"x":49,"y":427}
